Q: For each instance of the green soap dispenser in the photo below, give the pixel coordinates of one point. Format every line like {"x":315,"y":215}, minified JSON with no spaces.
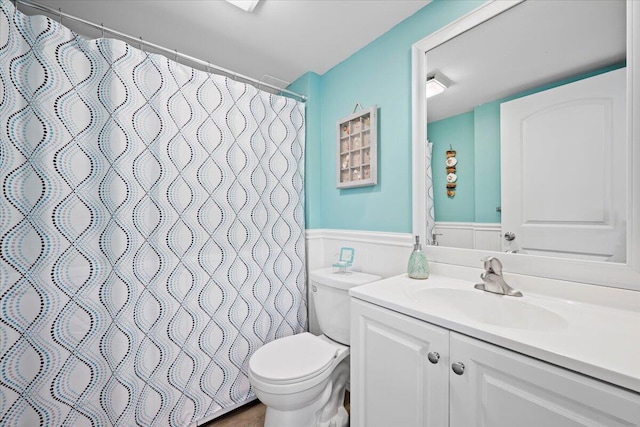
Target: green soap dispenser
{"x":418,"y":267}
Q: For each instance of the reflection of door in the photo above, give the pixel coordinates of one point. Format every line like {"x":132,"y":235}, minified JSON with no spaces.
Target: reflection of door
{"x":564,"y":169}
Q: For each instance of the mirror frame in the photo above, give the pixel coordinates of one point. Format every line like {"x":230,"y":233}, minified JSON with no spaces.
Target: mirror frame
{"x":617,"y":275}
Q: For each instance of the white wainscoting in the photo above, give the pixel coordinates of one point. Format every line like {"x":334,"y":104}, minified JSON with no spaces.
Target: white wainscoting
{"x":469,"y":235}
{"x":384,"y":254}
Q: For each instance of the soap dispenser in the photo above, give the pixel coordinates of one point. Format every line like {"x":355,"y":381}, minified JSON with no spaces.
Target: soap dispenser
{"x":418,"y":267}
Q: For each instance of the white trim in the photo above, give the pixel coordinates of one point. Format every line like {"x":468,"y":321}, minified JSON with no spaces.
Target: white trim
{"x":477,"y":16}
{"x":419,"y":131}
{"x":484,"y":226}
{"x":633,"y":118}
{"x":315,"y":233}
{"x":469,"y":235}
{"x":588,"y":272}
{"x":626,"y":276}
{"x":373,"y":237}
{"x":478,"y":226}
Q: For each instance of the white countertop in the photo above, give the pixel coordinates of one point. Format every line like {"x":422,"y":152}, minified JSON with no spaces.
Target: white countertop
{"x":598,"y":341}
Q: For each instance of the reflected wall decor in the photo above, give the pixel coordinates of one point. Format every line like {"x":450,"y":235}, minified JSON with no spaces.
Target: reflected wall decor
{"x":151,"y":231}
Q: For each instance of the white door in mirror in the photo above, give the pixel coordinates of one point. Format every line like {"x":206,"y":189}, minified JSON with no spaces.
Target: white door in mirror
{"x":563,"y":169}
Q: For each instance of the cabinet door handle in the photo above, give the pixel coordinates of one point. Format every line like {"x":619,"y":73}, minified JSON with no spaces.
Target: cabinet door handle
{"x":458,"y":368}
{"x":433,"y":357}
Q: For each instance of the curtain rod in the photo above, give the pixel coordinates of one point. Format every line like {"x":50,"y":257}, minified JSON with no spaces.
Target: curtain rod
{"x":139,"y":40}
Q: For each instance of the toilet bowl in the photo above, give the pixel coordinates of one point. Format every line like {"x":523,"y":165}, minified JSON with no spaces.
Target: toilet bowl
{"x":302,"y":378}
{"x":296,"y":379}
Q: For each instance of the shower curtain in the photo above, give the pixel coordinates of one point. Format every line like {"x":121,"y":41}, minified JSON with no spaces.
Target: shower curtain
{"x":151,"y":231}
{"x":431,"y":222}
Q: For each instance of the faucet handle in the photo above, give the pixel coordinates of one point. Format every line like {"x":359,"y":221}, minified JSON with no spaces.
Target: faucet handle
{"x":492,"y":265}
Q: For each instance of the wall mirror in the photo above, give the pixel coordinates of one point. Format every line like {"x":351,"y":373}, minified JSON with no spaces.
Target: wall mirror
{"x":501,"y":62}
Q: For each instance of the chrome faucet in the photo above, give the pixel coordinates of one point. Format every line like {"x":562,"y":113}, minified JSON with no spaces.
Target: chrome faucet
{"x":493,"y":280}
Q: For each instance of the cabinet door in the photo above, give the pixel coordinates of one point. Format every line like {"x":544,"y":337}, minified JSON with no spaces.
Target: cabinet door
{"x":393,"y":383}
{"x":500,"y":388}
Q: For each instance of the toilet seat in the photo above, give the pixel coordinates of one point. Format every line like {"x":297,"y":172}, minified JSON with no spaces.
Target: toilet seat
{"x":292,"y":359}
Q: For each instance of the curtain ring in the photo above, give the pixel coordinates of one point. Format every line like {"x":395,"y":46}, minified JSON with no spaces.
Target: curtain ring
{"x":208,"y":67}
{"x":176,"y":51}
{"x":141,"y":47}
{"x":102,"y":26}
{"x":60,"y":14}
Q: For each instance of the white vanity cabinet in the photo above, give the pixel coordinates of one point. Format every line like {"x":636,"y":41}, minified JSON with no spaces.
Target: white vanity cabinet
{"x":393,"y":382}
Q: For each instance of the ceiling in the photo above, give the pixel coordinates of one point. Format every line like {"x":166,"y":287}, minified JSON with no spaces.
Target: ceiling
{"x":533,"y":44}
{"x":281,"y":38}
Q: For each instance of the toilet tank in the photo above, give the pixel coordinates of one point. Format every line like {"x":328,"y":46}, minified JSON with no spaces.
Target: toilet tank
{"x":331,"y":300}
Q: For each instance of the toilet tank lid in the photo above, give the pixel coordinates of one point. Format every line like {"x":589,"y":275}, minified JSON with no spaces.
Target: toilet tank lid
{"x":326,"y":276}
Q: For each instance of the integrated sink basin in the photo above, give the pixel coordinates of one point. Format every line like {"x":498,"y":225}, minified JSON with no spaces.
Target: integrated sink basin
{"x":493,"y":309}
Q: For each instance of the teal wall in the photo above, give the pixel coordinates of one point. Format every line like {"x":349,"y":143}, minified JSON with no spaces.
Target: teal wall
{"x":486,"y":128}
{"x":310,"y":85}
{"x":477,"y":142}
{"x":476,"y":138}
{"x":457,"y":133}
{"x":379,"y":73}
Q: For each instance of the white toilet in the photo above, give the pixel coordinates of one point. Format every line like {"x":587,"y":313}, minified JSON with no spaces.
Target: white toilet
{"x":301,"y":378}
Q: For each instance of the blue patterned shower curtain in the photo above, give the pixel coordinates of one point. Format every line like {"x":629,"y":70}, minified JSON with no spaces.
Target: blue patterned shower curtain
{"x":151,"y":231}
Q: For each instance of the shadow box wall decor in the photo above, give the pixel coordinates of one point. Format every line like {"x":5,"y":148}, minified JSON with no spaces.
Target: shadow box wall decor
{"x":357,"y":149}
